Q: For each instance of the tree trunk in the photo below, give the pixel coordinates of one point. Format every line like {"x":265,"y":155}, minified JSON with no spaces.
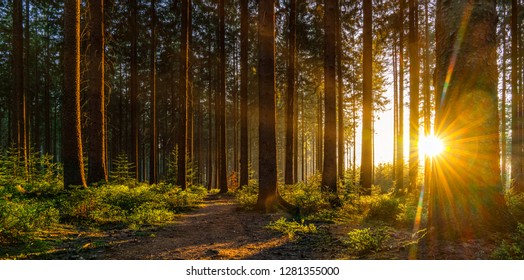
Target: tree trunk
{"x":516,"y":123}
{"x":97,"y":170}
{"x":153,"y":149}
{"x":134,"y":90}
{"x":244,"y":46}
{"x":329,"y":169}
{"x":340,"y":97}
{"x":71,"y":128}
{"x":18,"y":75}
{"x":181,"y":136}
{"x":465,"y":199}
{"x":414,"y":81}
{"x":222,"y":165}
{"x":268,"y":196}
{"x":47,"y":91}
{"x":366,"y":167}
{"x":290,"y":97}
{"x":503,"y":109}
{"x":400,"y":135}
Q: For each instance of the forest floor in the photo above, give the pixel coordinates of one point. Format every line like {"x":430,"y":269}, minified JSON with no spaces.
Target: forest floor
{"x":220,"y":230}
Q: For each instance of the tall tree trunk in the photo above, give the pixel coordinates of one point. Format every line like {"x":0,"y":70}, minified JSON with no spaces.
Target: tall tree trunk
{"x":366,"y":167}
{"x":96,"y":153}
{"x":18,"y":75}
{"x":516,"y":123}
{"x":134,"y":90}
{"x":290,"y":96}
{"x":47,"y":90}
{"x":426,"y":90}
{"x":71,"y":128}
{"x":329,"y":170}
{"x":183,"y":96}
{"x":414,"y":81}
{"x":27,"y":97}
{"x":503,"y":109}
{"x":153,"y":149}
{"x":268,"y":196}
{"x":244,"y":46}
{"x":400,"y":135}
{"x":340,"y":97}
{"x":222,"y":165}
{"x":465,"y":198}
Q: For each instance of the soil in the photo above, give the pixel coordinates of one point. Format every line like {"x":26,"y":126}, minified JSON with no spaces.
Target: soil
{"x":220,"y":230}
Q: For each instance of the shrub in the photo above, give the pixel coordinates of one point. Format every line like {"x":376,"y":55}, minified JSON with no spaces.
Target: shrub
{"x":362,"y":241}
{"x":383,"y":208}
{"x":291,"y":228}
{"x":247,"y":196}
{"x":144,"y":204}
{"x":308,"y":197}
{"x":512,"y":249}
{"x":516,"y":205}
{"x":20,"y":220}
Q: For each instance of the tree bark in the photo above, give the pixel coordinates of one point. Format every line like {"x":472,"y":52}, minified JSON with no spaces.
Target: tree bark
{"x":366,"y":167}
{"x":71,"y":128}
{"x":181,"y":136}
{"x":96,"y":153}
{"x":516,"y":123}
{"x":400,"y":136}
{"x":133,"y":89}
{"x":268,"y":196}
{"x":340,"y":97}
{"x":465,"y":198}
{"x":222,"y":165}
{"x":414,"y":81}
{"x":290,"y":97}
{"x":329,"y":169}
{"x":153,"y":149}
{"x":244,"y":29}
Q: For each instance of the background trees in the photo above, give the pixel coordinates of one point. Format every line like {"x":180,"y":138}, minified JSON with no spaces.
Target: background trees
{"x":177,"y":89}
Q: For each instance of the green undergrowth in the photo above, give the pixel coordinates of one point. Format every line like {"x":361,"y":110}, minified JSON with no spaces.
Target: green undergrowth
{"x":27,"y":210}
{"x":292,"y":228}
{"x":381,"y":208}
{"x":366,"y":240}
{"x":513,"y":248}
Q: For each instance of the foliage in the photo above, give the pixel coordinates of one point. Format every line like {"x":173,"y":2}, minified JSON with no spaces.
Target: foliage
{"x":307,"y":196}
{"x":512,"y":249}
{"x":383,"y":176}
{"x":292,"y":228}
{"x":144,"y":204}
{"x":247,"y":195}
{"x":19,"y":220}
{"x":122,"y":173}
{"x":362,"y":241}
{"x":383,"y":208}
{"x":516,"y":204}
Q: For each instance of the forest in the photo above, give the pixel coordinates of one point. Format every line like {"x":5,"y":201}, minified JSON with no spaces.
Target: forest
{"x":267,"y":129}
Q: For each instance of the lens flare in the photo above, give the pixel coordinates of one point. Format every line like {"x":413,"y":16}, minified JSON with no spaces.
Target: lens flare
{"x":431,"y":146}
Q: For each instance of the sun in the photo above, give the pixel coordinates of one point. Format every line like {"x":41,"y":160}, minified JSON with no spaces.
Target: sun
{"x":431,"y":146}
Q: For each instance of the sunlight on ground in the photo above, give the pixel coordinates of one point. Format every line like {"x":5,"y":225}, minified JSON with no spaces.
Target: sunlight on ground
{"x":431,"y":146}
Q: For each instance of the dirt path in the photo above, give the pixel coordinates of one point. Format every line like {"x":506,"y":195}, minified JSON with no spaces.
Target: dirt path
{"x":218,"y":230}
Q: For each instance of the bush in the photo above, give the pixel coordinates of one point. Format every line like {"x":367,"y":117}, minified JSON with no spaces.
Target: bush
{"x":247,"y":196}
{"x":291,"y":228}
{"x":20,"y":220}
{"x":362,"y":241}
{"x":512,"y":249}
{"x":144,"y":204}
{"x":383,"y":208}
{"x":516,"y":205}
{"x":308,"y":197}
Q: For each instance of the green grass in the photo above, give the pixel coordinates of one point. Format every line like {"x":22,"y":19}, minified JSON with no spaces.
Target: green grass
{"x":292,"y":228}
